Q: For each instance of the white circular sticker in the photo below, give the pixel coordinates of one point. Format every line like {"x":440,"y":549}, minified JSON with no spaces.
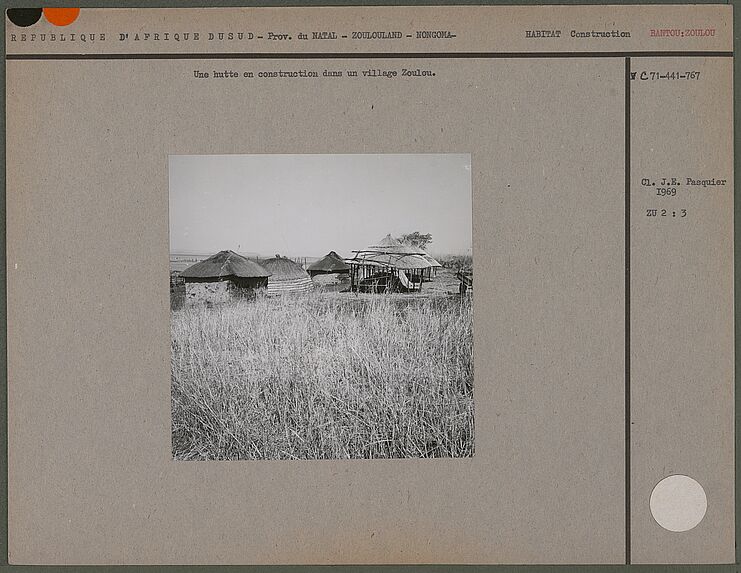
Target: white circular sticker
{"x":678,"y":503}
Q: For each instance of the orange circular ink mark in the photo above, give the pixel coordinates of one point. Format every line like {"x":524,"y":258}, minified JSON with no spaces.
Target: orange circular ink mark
{"x":61,"y":16}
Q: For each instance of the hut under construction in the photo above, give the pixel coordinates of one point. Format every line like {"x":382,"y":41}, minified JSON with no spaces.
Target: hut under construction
{"x":388,"y":266}
{"x":286,"y":276}
{"x":223,"y":276}
{"x":434,"y":264}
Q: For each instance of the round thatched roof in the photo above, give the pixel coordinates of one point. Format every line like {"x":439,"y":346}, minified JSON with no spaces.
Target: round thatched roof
{"x":282,"y":268}
{"x":390,"y":244}
{"x":426,"y":256}
{"x":434,"y":262}
{"x":224,"y":264}
{"x":331,"y":263}
{"x":397,"y":261}
{"x":388,"y":241}
{"x":391,"y":252}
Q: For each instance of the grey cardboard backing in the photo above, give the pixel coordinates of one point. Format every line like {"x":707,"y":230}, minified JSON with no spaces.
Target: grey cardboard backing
{"x":91,"y":479}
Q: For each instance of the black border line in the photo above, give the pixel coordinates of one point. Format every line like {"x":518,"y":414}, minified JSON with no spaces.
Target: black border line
{"x":366,"y":55}
{"x":627,"y":314}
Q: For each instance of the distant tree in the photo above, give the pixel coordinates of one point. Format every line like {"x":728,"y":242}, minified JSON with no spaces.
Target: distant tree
{"x":417,"y":239}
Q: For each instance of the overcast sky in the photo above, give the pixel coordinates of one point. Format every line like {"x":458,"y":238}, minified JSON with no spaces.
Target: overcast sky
{"x":308,"y":205}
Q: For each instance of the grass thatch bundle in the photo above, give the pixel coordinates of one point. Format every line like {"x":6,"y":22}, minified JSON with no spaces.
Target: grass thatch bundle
{"x":286,"y":276}
{"x":330,"y":263}
{"x":225,"y":264}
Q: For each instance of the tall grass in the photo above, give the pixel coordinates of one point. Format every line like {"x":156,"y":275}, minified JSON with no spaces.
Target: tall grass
{"x":323,"y":376}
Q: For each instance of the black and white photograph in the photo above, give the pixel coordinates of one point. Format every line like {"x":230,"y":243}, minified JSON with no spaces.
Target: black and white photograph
{"x":321,"y":306}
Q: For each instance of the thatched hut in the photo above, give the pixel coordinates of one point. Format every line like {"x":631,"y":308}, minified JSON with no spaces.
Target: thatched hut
{"x":332,"y":263}
{"x":286,"y":276}
{"x":387,"y":266}
{"x":330,"y":272}
{"x":223,"y":276}
{"x":434,"y":264}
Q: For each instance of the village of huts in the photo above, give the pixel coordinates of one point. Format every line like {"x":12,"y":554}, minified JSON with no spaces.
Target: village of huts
{"x":386,"y":266}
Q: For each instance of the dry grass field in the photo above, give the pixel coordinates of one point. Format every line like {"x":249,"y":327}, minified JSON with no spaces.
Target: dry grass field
{"x":324,"y":376}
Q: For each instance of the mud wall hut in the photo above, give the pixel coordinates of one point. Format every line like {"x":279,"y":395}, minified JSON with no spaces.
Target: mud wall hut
{"x":223,"y":276}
